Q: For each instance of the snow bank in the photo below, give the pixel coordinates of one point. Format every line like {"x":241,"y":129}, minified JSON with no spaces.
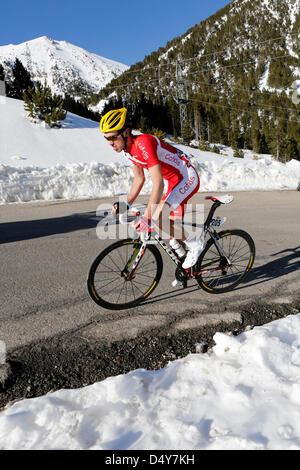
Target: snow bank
{"x":263,"y":174}
{"x":94,"y":180}
{"x":71,"y":181}
{"x":76,"y":162}
{"x":243,"y":394}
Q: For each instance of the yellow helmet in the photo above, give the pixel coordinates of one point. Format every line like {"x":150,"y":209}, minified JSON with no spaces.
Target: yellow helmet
{"x":114,"y":120}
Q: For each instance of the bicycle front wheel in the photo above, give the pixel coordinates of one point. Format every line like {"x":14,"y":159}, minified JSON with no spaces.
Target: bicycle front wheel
{"x":215,"y":274}
{"x":107,"y":282}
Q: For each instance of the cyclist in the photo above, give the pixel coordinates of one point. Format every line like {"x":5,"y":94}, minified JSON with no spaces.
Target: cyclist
{"x":164,"y":162}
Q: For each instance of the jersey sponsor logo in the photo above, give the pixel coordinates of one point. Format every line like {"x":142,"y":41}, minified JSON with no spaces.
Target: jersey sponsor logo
{"x":173,"y":158}
{"x":187,"y":185}
{"x":142,"y":148}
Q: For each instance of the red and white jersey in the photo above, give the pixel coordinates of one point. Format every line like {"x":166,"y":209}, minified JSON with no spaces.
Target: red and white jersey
{"x":147,"y":151}
{"x":183,"y":180}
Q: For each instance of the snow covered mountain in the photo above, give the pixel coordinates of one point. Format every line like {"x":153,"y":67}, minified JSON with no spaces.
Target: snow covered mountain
{"x":253,"y":43}
{"x":67,"y":68}
{"x":234,"y":78}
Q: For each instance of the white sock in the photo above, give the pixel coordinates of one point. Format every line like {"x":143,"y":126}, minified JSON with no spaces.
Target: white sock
{"x":192,"y":242}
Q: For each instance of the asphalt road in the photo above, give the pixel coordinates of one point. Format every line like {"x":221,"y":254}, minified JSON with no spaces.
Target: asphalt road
{"x":46,"y":250}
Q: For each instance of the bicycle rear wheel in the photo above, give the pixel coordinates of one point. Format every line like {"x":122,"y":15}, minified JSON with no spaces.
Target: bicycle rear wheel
{"x":107,"y":282}
{"x":215,"y":274}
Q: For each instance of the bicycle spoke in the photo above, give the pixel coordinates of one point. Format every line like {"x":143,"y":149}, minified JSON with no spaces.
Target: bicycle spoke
{"x":145,"y":275}
{"x":238,"y":250}
{"x":123,"y":262}
{"x":218,"y":274}
{"x":137,"y":287}
{"x":108,"y":272}
{"x":110,"y":282}
{"x":147,"y":264}
{"x":108,"y":267}
{"x":131,"y":284}
{"x":112,"y":288}
{"x":121,"y":291}
{"x":141,"y":283}
{"x":113,"y":262}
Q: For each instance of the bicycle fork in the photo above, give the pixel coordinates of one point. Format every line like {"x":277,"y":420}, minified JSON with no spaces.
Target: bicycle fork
{"x":134,"y":262}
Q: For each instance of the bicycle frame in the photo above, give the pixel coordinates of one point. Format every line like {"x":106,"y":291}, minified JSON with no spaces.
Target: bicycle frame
{"x":213,"y":234}
{"x":136,"y":257}
{"x":134,"y":261}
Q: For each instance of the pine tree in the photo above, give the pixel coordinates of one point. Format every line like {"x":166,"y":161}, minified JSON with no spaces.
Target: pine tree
{"x":2,"y":75}
{"x":290,"y":150}
{"x":280,"y":74}
{"x":79,"y":108}
{"x":187,"y":133}
{"x":144,"y":124}
{"x":2,"y":82}
{"x":278,"y":138}
{"x":21,"y":81}
{"x":41,"y":105}
{"x":258,"y":138}
{"x":235,"y":139}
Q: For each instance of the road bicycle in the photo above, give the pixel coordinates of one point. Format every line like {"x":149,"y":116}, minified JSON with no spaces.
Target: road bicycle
{"x":125,"y":273}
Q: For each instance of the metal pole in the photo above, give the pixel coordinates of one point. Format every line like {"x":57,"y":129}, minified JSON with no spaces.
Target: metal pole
{"x":182,"y":96}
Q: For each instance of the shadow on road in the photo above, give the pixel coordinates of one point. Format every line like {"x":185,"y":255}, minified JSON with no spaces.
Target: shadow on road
{"x":172,"y":293}
{"x":28,"y":229}
{"x":279,"y":267}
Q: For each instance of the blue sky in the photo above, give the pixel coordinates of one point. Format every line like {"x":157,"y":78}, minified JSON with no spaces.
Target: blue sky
{"x":122,"y":30}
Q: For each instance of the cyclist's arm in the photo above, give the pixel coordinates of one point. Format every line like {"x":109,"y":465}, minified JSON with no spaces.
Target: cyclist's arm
{"x":157,"y":190}
{"x":137,"y":184}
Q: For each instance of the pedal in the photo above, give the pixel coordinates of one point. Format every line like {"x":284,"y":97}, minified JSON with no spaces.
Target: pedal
{"x":181,"y":278}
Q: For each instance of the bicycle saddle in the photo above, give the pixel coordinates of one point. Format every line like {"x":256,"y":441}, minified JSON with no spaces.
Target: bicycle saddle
{"x":225,"y":199}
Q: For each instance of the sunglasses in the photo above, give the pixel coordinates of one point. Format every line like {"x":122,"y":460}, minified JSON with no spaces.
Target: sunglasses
{"x":112,"y":138}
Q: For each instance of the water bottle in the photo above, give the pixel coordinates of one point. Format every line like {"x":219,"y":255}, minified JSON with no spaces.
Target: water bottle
{"x":175,"y":245}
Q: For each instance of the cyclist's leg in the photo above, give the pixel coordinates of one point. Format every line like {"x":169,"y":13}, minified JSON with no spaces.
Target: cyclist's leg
{"x":187,"y":189}
{"x":179,"y":197}
{"x":170,"y":211}
{"x":162,"y":223}
{"x":172,"y":205}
